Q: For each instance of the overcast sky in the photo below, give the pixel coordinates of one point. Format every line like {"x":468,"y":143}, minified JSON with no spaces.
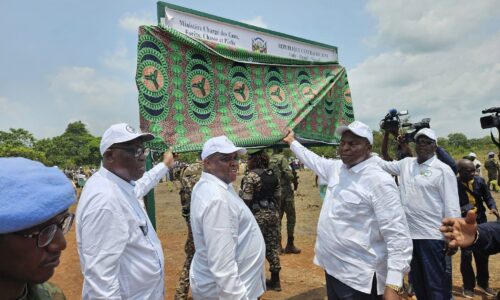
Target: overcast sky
{"x":63,"y":61}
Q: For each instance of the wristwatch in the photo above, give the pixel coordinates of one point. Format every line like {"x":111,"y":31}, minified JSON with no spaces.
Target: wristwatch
{"x":398,"y":289}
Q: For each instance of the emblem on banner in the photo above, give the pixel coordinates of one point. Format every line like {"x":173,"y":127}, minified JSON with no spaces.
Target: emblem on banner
{"x":259,"y":45}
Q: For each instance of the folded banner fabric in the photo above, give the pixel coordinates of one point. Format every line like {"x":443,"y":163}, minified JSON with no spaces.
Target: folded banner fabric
{"x":191,"y":90}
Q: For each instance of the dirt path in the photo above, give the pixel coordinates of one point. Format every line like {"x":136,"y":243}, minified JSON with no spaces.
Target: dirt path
{"x":301,"y":279}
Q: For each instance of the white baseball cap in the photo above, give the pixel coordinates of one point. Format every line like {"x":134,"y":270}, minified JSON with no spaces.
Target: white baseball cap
{"x":472,"y":154}
{"x":359,"y":129}
{"x":220,"y":144}
{"x":120,"y":133}
{"x":426,"y":132}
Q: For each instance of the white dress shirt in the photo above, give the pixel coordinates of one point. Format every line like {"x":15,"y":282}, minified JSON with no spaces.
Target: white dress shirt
{"x":429,"y":193}
{"x":362,"y":228}
{"x":230,"y":250}
{"x":120,"y":255}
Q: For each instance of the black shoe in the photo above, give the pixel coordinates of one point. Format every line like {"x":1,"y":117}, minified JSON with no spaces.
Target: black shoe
{"x":487,"y":291}
{"x":468,"y":294}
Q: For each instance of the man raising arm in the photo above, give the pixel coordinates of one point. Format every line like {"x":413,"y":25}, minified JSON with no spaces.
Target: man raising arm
{"x":363,"y":242}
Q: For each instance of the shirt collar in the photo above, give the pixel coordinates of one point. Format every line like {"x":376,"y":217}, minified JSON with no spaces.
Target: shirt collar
{"x":359,"y":167}
{"x":125,"y":185}
{"x":427,"y":162}
{"x":214,"y":179}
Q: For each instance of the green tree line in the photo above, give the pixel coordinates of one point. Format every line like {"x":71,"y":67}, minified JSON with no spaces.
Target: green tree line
{"x":76,"y":147}
{"x":457,"y":144}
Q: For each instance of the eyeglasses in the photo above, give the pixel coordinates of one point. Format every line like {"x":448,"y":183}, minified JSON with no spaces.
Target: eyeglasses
{"x":424,"y":142}
{"x":136,"y":152}
{"x":47,"y":234}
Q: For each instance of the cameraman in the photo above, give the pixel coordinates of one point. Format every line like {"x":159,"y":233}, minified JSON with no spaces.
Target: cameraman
{"x":428,"y":190}
{"x":404,"y":150}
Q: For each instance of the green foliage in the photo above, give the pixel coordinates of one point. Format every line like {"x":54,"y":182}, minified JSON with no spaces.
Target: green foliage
{"x":328,"y":151}
{"x":77,"y":147}
{"x":459,"y":146}
{"x":188,"y":157}
{"x":456,"y":144}
{"x":17,"y":138}
{"x":74,"y":148}
{"x":21,"y":151}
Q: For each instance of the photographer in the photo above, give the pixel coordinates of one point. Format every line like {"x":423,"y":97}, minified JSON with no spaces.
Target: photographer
{"x":429,"y":192}
{"x":403,"y":140}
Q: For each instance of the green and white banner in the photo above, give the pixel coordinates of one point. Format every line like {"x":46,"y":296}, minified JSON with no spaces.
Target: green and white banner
{"x":238,"y":35}
{"x":191,"y":90}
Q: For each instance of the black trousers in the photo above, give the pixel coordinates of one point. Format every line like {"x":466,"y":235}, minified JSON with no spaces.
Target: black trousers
{"x":336,"y":290}
{"x":468,"y":277}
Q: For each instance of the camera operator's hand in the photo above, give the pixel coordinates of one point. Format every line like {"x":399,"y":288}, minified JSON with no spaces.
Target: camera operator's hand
{"x":385,"y":145}
{"x":394,"y":132}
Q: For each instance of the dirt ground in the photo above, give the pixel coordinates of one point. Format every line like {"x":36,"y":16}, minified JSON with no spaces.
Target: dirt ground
{"x":301,"y":279}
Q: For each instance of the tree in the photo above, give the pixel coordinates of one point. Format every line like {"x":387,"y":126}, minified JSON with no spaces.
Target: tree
{"x":21,"y":151}
{"x":17,"y":138}
{"x":74,"y":148}
{"x":457,"y":140}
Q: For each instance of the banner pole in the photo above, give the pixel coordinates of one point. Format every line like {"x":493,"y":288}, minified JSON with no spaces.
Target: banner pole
{"x":150,"y":197}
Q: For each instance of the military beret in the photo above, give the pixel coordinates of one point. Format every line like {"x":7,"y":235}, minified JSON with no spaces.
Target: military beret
{"x":31,"y":193}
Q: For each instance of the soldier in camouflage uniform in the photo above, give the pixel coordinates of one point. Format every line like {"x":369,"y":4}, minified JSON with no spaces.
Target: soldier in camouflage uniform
{"x":44,"y":291}
{"x":189,"y":176}
{"x":260,"y":190}
{"x":279,"y":164}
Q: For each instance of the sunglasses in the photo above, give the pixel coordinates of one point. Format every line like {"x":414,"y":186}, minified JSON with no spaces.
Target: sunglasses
{"x":46,"y":235}
{"x":424,"y":142}
{"x":136,"y":152}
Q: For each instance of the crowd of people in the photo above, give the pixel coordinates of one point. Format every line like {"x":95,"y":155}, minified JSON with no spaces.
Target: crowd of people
{"x":372,"y":229}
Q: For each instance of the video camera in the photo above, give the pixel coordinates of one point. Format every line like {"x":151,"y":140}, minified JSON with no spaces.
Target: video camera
{"x":491,"y":121}
{"x":410,"y":136}
{"x":391,"y":121}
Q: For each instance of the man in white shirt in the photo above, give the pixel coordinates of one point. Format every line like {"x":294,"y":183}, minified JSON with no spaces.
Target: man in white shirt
{"x":363,"y":242}
{"x":120,"y":254}
{"x":429,"y":193}
{"x":230,"y":250}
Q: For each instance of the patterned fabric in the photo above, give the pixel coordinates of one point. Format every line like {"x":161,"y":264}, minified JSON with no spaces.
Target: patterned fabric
{"x":191,"y":90}
{"x":44,"y":291}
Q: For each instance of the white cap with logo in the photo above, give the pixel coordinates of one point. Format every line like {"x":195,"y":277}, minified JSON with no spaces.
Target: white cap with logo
{"x":220,"y":144}
{"x":121,"y":133}
{"x":428,"y":133}
{"x":359,"y":129}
